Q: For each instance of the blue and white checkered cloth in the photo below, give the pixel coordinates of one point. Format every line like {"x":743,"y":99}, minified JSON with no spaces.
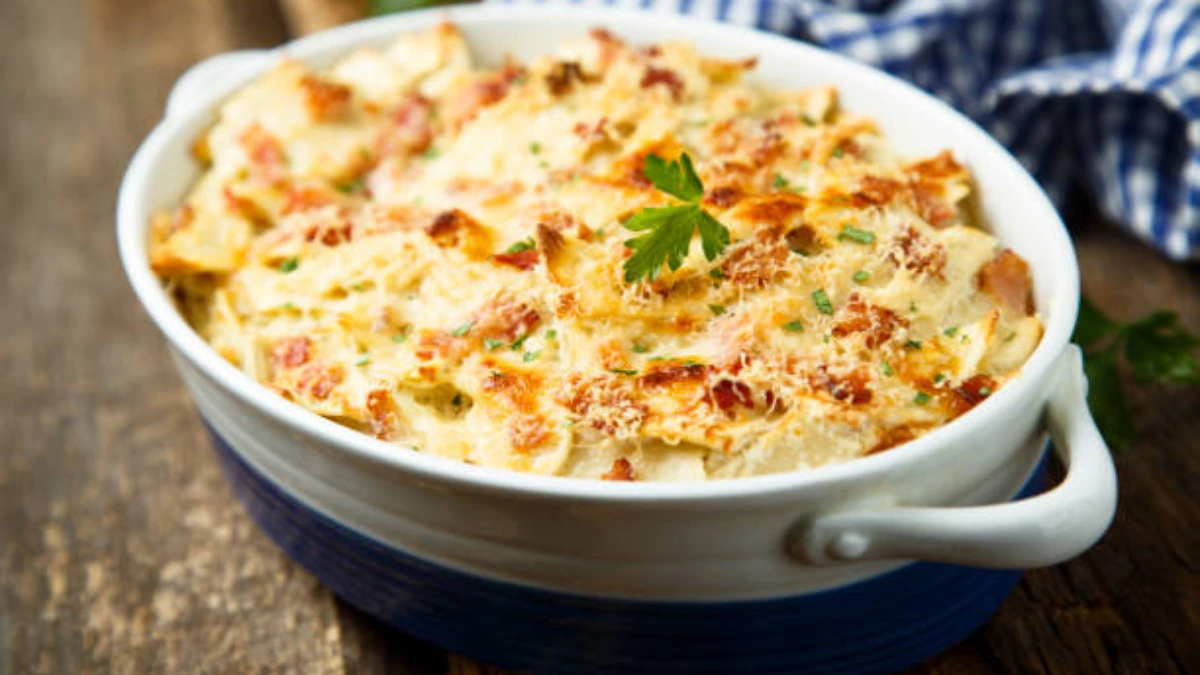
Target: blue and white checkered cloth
{"x":1099,"y":94}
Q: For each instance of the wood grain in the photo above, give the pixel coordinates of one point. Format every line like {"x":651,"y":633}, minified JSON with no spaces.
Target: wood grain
{"x":121,"y":550}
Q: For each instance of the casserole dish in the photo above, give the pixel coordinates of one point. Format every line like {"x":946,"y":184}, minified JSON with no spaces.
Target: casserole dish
{"x":866,"y":566}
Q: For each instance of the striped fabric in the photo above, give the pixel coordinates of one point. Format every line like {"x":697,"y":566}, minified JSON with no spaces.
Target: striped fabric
{"x":1098,"y":94}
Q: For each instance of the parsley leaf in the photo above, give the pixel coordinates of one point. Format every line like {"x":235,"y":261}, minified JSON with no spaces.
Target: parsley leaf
{"x":668,"y":230}
{"x":677,"y":178}
{"x":526,"y":244}
{"x":289,"y":265}
{"x":850,"y":233}
{"x":822,"y":301}
{"x":1156,"y":348}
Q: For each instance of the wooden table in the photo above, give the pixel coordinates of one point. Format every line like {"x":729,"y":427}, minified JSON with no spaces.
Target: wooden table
{"x":121,"y":549}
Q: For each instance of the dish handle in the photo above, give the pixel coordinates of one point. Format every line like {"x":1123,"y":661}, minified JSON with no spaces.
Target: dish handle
{"x":1039,"y":531}
{"x":199,"y":78}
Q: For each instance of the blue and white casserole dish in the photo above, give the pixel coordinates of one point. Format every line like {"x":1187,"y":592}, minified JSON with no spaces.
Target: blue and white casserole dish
{"x":861,"y":567}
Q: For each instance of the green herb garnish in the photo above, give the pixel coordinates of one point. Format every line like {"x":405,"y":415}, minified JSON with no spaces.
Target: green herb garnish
{"x":937,"y":379}
{"x":362,"y":360}
{"x":860,"y":277}
{"x":779,"y":183}
{"x":463,"y":329}
{"x":622,"y":371}
{"x":717,"y":309}
{"x":886,"y":369}
{"x":492,"y":343}
{"x":399,"y":337}
{"x":289,"y":265}
{"x":551,"y":334}
{"x":535,"y":147}
{"x":850,"y":233}
{"x":822,"y":300}
{"x":794,"y":326}
{"x":526,"y":244}
{"x":837,"y":153}
{"x":640,"y":349}
{"x":529,"y":356}
{"x":1156,"y":349}
{"x":913,"y":344}
{"x":667,"y":230}
{"x":921,"y":398}
{"x":951,"y":331}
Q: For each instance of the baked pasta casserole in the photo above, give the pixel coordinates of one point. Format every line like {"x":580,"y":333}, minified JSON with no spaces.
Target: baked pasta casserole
{"x":618,"y":262}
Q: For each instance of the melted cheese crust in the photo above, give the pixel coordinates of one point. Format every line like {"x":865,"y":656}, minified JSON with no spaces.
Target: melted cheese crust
{"x":431,"y":252}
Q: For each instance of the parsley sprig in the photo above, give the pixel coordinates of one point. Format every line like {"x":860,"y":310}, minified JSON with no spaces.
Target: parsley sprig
{"x":668,"y":230}
{"x":1156,"y":348}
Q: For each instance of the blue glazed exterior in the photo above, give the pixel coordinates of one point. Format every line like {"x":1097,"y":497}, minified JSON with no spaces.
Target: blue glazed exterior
{"x":880,"y":625}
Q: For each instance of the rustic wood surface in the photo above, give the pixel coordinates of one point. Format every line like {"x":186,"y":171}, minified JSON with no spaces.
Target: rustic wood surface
{"x":122,"y":551}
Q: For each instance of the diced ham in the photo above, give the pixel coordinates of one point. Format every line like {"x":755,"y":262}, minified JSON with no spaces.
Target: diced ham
{"x":325,"y":100}
{"x":621,"y":470}
{"x":292,"y":352}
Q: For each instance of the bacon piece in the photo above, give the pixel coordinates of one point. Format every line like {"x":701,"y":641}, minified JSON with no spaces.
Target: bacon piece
{"x":875,"y":190}
{"x":436,"y":343}
{"x":292,"y":352}
{"x":411,"y":128}
{"x":972,"y":392}
{"x":729,"y":393}
{"x":851,"y":387}
{"x":305,"y":197}
{"x":522,"y":260}
{"x":756,"y":262}
{"x":768,"y":148}
{"x":723,"y":196}
{"x":319,"y":380}
{"x":484,"y":92}
{"x":527,"y":431}
{"x":382,"y":414}
{"x":674,"y":373}
{"x":605,"y":404}
{"x":330,"y":233}
{"x":1006,"y":278}
{"x":264,"y":150}
{"x":518,"y":388}
{"x":621,"y":470}
{"x":665,"y":77}
{"x":917,"y":254}
{"x":325,"y":100}
{"x":877,"y":324}
{"x":505,"y":320}
{"x":927,"y":180}
{"x":594,"y":133}
{"x":803,"y":240}
{"x":563,"y":75}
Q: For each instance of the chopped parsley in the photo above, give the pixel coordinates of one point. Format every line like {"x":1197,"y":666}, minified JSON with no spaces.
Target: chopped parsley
{"x":779,"y":183}
{"x":640,"y":349}
{"x":431,"y":153}
{"x":289,"y":265}
{"x":716,"y":273}
{"x":551,"y":334}
{"x":526,"y":244}
{"x":463,"y":329}
{"x":886,"y":369}
{"x":457,"y":401}
{"x":535,"y":147}
{"x":860,"y":277}
{"x":809,"y":120}
{"x":794,"y":326}
{"x":913,"y":344}
{"x":921,"y":398}
{"x":622,"y":371}
{"x":519,"y":342}
{"x":985,"y":391}
{"x":822,"y":300}
{"x":912,"y":307}
{"x":399,"y":337}
{"x":717,"y":309}
{"x":492,"y":343}
{"x":951,"y":331}
{"x":937,"y":379}
{"x":850,"y":233}
{"x":837,"y":153}
{"x":355,"y":184}
{"x":529,"y":356}
{"x":667,"y":230}
{"x":362,"y":360}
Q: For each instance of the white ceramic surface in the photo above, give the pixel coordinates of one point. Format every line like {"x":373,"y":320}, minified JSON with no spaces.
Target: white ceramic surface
{"x":748,"y":538}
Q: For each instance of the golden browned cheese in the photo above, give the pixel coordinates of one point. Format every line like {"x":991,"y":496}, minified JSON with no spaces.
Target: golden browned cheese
{"x":431,"y":252}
